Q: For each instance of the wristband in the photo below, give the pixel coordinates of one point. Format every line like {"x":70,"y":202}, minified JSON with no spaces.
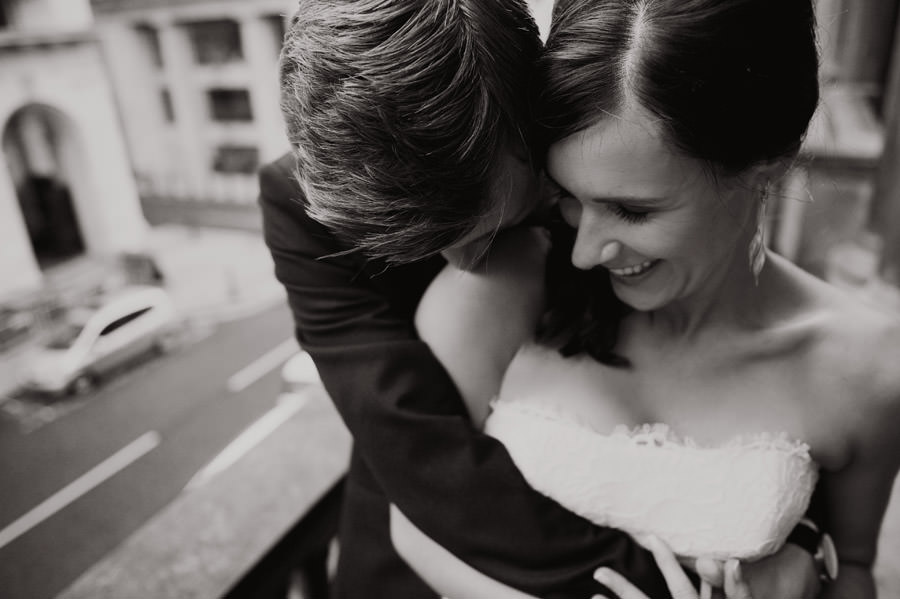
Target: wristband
{"x":807,"y":536}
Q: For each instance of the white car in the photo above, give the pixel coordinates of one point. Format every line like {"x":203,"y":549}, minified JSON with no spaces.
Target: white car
{"x":99,"y":337}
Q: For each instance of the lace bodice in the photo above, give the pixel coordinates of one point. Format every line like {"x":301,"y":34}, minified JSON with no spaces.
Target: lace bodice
{"x":740,"y":499}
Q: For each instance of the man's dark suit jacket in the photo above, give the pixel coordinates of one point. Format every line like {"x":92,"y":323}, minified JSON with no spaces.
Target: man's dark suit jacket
{"x":413,"y":443}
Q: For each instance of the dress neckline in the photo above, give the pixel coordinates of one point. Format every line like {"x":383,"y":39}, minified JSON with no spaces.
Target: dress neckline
{"x":658,"y":434}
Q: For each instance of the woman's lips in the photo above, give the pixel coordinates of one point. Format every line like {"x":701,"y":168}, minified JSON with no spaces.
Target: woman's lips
{"x":634,"y":270}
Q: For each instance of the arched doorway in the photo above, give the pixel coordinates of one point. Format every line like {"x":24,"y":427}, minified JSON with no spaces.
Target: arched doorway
{"x":38,"y":145}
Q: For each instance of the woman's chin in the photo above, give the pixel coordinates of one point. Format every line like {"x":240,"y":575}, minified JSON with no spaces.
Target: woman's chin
{"x":643,"y":296}
{"x":644,"y":304}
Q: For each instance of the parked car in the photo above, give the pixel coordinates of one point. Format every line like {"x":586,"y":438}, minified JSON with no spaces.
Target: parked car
{"x":14,"y":326}
{"x":99,"y":337}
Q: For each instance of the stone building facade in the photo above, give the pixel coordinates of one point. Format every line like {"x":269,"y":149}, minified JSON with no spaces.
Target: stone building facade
{"x":198,"y":88}
{"x":66,"y":184}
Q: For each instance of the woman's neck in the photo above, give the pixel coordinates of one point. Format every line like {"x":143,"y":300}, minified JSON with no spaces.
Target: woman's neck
{"x":731,"y":300}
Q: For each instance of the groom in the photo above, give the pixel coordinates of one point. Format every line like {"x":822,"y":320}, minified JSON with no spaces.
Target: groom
{"x":408,"y":123}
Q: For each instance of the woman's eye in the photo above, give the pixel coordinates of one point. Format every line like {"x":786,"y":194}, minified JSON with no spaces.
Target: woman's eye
{"x":628,"y":214}
{"x":554,"y":192}
{"x":570,"y":209}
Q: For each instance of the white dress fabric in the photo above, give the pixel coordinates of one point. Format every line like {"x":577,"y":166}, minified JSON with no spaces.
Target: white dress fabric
{"x":737,"y":500}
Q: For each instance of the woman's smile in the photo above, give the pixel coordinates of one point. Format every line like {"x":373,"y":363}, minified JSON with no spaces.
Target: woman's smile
{"x":692,"y":223}
{"x":634,"y":270}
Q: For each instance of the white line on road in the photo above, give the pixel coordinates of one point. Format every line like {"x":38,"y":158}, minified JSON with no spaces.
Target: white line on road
{"x":87,"y":481}
{"x":288,"y":405}
{"x":262,"y":365}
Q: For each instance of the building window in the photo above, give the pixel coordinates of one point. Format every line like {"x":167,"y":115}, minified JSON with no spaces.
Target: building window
{"x":276,"y":24}
{"x":168,"y":108}
{"x":149,"y":37}
{"x":236,"y":159}
{"x":216,"y":42}
{"x":229,"y":105}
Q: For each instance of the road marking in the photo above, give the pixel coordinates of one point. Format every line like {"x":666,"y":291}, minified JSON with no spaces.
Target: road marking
{"x":80,"y":486}
{"x":288,"y":405}
{"x":262,"y":366}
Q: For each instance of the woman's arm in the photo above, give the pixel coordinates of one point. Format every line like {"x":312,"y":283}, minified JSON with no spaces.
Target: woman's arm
{"x":856,"y":497}
{"x":475,"y":321}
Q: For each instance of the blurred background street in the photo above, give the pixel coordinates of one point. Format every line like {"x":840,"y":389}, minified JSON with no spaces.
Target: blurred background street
{"x":132,"y":131}
{"x":182,"y":402}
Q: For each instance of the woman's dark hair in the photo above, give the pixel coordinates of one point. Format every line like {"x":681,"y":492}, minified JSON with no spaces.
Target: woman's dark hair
{"x":583,"y":313}
{"x":732,"y":83}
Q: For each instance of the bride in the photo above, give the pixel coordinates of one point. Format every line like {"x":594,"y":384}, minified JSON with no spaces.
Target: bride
{"x":687,"y":384}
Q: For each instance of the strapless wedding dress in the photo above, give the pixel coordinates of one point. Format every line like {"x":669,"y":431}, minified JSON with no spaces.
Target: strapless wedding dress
{"x":737,"y":500}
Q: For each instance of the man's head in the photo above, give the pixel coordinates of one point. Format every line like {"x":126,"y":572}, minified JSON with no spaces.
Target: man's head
{"x":403,"y":116}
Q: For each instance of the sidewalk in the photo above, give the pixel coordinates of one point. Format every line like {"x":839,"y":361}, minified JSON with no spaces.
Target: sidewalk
{"x":213,"y":276}
{"x":262,"y":507}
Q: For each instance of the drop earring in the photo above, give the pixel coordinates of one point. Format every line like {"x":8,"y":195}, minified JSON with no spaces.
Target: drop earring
{"x":757,"y":252}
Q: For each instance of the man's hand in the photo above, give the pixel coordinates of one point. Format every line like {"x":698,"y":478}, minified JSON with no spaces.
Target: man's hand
{"x":788,"y":574}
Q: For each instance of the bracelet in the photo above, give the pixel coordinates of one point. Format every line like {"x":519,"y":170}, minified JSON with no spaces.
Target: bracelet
{"x":808,"y":537}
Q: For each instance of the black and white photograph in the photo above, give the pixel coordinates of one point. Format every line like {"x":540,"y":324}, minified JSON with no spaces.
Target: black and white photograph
{"x":450,"y":299}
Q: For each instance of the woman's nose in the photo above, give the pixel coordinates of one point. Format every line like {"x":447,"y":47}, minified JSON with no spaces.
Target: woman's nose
{"x":582,"y":252}
{"x":593,"y":247}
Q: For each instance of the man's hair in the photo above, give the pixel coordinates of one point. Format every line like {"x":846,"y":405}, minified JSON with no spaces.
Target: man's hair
{"x":398,"y":111}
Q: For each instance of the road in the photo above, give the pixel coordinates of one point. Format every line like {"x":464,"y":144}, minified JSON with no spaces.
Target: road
{"x":100,"y":470}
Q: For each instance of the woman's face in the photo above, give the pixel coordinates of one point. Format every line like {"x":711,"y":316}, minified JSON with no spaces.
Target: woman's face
{"x":656,"y":220}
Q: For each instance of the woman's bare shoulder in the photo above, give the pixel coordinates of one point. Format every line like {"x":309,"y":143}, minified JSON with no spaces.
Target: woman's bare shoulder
{"x":851,"y":345}
{"x":843,"y":364}
{"x":851,"y":334}
{"x":475,"y":320}
{"x":862,"y":340}
{"x":857,"y":356}
{"x":876,"y":363}
{"x":510,"y":277}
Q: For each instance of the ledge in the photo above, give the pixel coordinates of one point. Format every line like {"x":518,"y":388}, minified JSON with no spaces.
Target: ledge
{"x":210,"y":536}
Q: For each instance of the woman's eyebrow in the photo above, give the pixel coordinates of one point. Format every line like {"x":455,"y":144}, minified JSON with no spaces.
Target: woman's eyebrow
{"x":624,"y":199}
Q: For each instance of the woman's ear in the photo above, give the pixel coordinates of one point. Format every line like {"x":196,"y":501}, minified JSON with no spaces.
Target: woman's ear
{"x":769,"y":172}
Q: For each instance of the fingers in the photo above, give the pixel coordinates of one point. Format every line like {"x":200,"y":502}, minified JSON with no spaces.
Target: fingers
{"x":714,"y":573}
{"x":711,"y":570}
{"x":724,"y":575}
{"x":735,"y":585}
{"x":617,"y":583}
{"x":679,"y":584}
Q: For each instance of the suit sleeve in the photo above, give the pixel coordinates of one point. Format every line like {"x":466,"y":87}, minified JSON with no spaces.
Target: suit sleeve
{"x":456,"y":484}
